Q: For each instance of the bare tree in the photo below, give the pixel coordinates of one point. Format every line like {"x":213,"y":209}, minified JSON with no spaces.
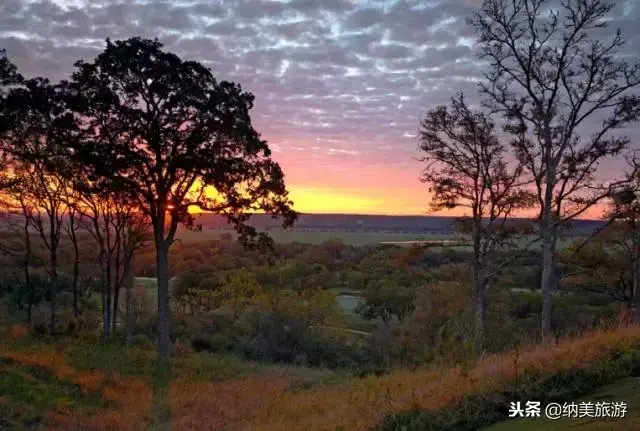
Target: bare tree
{"x":95,"y":212}
{"x":624,"y":232}
{"x":551,"y":75}
{"x":136,"y":234}
{"x":71,"y":229}
{"x":17,"y":216}
{"x":118,"y":229}
{"x":131,"y":231}
{"x":45,"y":194}
{"x":467,"y":168}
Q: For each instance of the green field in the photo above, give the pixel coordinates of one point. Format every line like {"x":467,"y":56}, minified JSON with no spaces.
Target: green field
{"x":357,"y":238}
{"x":627,"y":391}
{"x":317,"y":237}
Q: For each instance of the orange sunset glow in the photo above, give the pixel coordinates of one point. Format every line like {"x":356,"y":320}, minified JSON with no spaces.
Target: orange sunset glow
{"x":340,"y":88}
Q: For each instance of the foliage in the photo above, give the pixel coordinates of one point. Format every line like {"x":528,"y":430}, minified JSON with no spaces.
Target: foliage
{"x":385,"y":299}
{"x":441,"y":323}
{"x":203,"y":142}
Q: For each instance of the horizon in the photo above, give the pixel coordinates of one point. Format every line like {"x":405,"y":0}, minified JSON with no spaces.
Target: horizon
{"x":393,"y":215}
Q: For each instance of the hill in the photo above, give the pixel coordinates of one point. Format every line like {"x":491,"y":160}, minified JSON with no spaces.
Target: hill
{"x":81,"y":384}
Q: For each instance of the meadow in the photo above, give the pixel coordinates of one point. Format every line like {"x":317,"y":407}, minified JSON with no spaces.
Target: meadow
{"x":82,"y":384}
{"x":308,"y":346}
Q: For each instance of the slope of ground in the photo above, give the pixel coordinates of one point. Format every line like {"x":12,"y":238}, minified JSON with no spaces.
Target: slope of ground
{"x":74,"y":383}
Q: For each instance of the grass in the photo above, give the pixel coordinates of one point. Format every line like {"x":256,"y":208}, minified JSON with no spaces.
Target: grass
{"x":74,"y":383}
{"x":58,"y":384}
{"x":365,"y":403}
{"x":626,"y":390}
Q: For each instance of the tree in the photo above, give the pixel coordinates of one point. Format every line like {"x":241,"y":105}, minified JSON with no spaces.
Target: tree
{"x":17,"y":218}
{"x":71,"y":229}
{"x":9,"y":77}
{"x":134,"y":235}
{"x":467,"y":168}
{"x":238,"y":290}
{"x":38,"y":128}
{"x":386,"y":298}
{"x":624,"y":212}
{"x":553,"y":78}
{"x":118,"y":231}
{"x":602,"y":265}
{"x":167,"y":134}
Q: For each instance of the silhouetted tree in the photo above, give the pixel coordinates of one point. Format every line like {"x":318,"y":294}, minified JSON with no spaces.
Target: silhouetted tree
{"x":551,"y":74}
{"x":17,"y":216}
{"x":467,"y":168}
{"x":9,"y":77}
{"x":70,"y":227}
{"x":38,"y":127}
{"x":167,"y":134}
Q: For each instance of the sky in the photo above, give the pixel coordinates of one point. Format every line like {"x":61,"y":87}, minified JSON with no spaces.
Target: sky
{"x":340,"y":85}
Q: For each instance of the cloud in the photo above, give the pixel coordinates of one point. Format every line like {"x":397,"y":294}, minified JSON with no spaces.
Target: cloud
{"x":334,"y":80}
{"x":363,"y":18}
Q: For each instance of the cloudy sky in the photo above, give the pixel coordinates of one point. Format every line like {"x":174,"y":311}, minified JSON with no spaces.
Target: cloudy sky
{"x":340,"y":85}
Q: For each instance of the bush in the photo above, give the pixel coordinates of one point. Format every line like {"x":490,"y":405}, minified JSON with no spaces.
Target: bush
{"x":216,"y":343}
{"x":279,"y":339}
{"x":141,"y":340}
{"x":111,"y":357}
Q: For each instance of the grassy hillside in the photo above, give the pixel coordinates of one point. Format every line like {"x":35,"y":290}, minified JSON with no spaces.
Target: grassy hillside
{"x":80,"y":383}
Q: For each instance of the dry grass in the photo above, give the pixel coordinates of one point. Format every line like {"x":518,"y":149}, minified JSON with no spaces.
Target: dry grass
{"x":263,"y":402}
{"x":365,"y":403}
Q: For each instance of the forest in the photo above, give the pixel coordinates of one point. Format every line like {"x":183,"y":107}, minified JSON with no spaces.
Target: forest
{"x":122,"y":308}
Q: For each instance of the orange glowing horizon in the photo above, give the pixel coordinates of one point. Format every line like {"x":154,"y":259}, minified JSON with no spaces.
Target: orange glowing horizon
{"x":389,"y":202}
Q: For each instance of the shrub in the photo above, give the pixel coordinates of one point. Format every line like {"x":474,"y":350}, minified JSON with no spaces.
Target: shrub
{"x":141,"y":340}
{"x":216,"y":343}
{"x":280,"y":339}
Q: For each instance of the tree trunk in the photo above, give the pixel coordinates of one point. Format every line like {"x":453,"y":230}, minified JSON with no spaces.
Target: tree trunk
{"x":635,"y":273}
{"x":27,"y":272}
{"x":114,"y":312}
{"x":116,"y":285}
{"x":104,"y":288}
{"x":53,"y":291}
{"x":479,"y":283}
{"x":76,"y":269}
{"x":129,"y":280}
{"x":164,"y":310}
{"x":107,"y":324}
{"x":161,"y":408}
{"x":547,"y":283}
